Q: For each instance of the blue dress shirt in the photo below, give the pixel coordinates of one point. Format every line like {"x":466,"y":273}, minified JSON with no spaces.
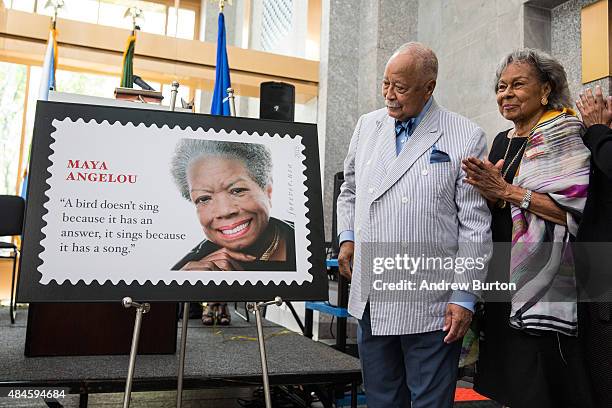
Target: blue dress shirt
{"x":401,"y":137}
{"x":459,"y":297}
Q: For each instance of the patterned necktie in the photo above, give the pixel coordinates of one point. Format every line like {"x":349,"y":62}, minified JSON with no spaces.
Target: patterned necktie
{"x":402,"y":132}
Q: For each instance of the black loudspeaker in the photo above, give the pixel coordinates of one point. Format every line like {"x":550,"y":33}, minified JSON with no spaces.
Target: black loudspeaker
{"x":338,"y":180}
{"x":277,"y":101}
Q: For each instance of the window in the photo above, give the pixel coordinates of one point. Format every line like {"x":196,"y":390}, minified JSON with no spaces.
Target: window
{"x":186,"y":25}
{"x":276,"y":22}
{"x":280,"y":27}
{"x":81,"y":10}
{"x":12,"y":83}
{"x":86,"y":84}
{"x":154,"y":21}
{"x":112,"y":14}
{"x":23,"y":5}
{"x":158,"y":16}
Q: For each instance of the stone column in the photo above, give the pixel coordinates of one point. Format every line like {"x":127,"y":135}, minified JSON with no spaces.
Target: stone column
{"x":357,"y":39}
{"x":566,"y":45}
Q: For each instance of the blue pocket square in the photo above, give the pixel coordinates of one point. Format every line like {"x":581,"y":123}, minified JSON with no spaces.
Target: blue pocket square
{"x":438,"y":156}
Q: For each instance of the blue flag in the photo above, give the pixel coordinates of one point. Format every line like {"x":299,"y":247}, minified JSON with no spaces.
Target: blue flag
{"x":220,"y":101}
{"x":24,"y":185}
{"x":47,"y":80}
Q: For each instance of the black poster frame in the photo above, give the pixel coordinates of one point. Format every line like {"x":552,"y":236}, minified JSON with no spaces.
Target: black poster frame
{"x":31,"y":290}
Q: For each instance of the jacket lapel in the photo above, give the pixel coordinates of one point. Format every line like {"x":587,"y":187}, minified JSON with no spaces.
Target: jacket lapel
{"x":381,"y":157}
{"x":424,"y":136}
{"x":385,"y":148}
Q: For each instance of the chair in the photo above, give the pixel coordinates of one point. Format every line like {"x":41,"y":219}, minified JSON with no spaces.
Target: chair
{"x":12,"y":209}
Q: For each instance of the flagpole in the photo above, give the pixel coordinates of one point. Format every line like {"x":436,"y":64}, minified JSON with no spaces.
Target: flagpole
{"x":56,"y":4}
{"x":232,"y":104}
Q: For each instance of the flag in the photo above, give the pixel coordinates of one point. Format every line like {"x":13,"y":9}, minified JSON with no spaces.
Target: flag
{"x":23,"y":191}
{"x":220,"y":101}
{"x":127,"y":76}
{"x":24,"y":179}
{"x":24,"y":184}
{"x":47,"y":80}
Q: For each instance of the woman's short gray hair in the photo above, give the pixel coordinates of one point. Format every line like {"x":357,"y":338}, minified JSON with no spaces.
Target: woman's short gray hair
{"x":548,"y":69}
{"x":256,"y":158}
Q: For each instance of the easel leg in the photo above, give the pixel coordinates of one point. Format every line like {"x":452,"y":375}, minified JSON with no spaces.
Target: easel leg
{"x":353,"y":394}
{"x":179,"y":388}
{"x":244,"y":316}
{"x":308,"y":323}
{"x":262,"y":345}
{"x":13,"y":302}
{"x":264,"y":361}
{"x":83,"y":400}
{"x":140,"y":310}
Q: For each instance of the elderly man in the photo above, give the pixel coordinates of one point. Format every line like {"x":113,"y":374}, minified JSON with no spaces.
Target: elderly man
{"x":404,"y":194}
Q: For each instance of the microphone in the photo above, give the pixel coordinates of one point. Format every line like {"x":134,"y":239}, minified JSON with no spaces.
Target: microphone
{"x":138,"y":81}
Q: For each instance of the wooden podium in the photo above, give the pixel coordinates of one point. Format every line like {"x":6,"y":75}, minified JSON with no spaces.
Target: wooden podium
{"x":82,"y":329}
{"x":138,"y":95}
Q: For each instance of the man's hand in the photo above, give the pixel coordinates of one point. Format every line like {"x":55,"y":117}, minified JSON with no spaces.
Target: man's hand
{"x":221,"y":260}
{"x":594,"y":109}
{"x":345,"y":258}
{"x":456,"y":321}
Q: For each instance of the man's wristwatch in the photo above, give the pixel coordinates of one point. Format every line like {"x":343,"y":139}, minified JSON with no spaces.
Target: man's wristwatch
{"x":526,"y":200}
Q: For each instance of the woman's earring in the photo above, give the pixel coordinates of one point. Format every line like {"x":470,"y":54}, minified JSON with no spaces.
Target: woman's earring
{"x":544,"y":101}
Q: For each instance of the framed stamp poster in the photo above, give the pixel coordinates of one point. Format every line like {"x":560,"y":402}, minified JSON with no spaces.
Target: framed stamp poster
{"x":166,"y":206}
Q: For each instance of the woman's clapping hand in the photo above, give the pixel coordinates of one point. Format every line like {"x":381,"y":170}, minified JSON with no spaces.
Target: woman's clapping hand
{"x":594,"y":109}
{"x":486,"y":177}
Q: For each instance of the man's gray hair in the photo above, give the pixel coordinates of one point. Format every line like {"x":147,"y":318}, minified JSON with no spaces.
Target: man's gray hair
{"x":548,"y":69}
{"x":426,"y":58}
{"x":256,"y":158}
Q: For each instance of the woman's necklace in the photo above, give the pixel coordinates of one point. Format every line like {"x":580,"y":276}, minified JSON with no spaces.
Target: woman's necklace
{"x":273,"y":246}
{"x":503,"y":203}
{"x":518,"y":153}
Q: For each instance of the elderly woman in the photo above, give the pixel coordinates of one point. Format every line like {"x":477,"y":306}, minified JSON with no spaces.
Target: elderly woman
{"x":230,"y":186}
{"x":593,"y":250}
{"x":535,"y":181}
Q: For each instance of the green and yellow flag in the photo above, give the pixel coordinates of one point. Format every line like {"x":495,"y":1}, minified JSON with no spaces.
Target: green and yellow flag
{"x":127,"y":76}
